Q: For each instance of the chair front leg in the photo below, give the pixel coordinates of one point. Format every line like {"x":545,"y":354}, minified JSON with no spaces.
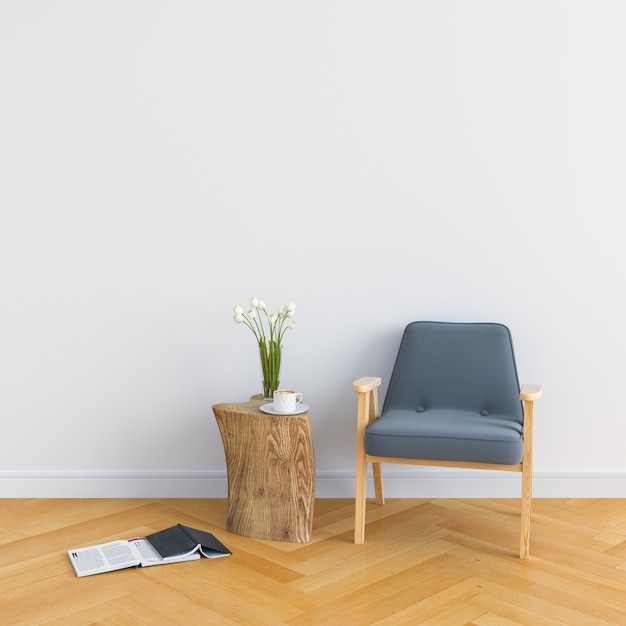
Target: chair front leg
{"x":528,"y":395}
{"x":360,"y":503}
{"x":527,"y":481}
{"x":367,"y":411}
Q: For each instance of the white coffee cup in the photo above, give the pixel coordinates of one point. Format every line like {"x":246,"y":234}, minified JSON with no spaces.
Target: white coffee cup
{"x":285,"y":400}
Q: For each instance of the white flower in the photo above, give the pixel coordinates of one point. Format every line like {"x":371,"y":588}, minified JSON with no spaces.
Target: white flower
{"x":268,"y":328}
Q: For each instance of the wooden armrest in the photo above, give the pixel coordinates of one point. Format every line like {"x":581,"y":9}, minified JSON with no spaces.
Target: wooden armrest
{"x":367,"y":383}
{"x":530,"y":392}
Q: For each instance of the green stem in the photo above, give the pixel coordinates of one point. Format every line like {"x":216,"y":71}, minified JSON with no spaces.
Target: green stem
{"x":270,"y":353}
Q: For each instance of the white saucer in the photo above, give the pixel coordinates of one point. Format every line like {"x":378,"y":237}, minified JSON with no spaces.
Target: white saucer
{"x":269,"y":408}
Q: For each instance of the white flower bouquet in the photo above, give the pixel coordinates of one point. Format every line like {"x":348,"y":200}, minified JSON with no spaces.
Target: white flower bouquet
{"x":268,"y":329}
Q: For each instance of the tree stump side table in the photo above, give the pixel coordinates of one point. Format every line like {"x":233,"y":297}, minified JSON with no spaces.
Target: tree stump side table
{"x":271,"y":471}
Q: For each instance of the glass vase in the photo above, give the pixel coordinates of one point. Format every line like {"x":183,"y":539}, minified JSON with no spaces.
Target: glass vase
{"x":270,"y":353}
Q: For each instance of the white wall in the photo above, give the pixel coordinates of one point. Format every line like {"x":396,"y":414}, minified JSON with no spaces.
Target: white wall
{"x":425,"y":160}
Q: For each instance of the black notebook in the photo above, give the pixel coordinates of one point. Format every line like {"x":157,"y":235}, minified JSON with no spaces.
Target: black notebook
{"x":180,"y":540}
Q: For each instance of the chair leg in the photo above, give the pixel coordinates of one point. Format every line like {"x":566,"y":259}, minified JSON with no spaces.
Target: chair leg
{"x":527,"y":487}
{"x":367,"y":410}
{"x":378,"y":483}
{"x":359,"y":508}
{"x":527,"y":480}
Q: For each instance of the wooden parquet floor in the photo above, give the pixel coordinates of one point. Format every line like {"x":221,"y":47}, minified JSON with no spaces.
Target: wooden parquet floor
{"x":423,"y":562}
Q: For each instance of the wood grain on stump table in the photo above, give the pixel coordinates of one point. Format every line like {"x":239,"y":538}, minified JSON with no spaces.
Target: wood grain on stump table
{"x":271,"y":471}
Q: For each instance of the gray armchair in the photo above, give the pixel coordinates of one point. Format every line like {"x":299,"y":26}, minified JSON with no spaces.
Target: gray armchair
{"x":453,"y":400}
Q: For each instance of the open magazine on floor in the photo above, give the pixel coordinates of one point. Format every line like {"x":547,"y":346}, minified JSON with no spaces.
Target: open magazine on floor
{"x":139,"y":552}
{"x":180,"y":540}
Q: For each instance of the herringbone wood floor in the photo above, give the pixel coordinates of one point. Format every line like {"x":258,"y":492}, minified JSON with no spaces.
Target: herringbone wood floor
{"x":423,"y":562}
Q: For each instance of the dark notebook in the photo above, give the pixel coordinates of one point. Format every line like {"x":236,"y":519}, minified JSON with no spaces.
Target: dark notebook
{"x":179,"y":540}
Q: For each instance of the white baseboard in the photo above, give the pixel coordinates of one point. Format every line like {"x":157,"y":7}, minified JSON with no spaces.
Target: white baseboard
{"x":113,"y":484}
{"x":414,"y":483}
{"x":453,"y":483}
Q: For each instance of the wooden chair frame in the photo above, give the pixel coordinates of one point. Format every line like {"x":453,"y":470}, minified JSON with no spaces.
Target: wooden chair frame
{"x":367,"y":411}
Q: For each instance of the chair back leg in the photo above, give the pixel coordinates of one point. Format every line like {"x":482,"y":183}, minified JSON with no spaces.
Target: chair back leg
{"x":378,"y":483}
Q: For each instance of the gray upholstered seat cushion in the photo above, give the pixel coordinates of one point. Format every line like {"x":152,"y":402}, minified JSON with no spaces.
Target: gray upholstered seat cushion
{"x":453,"y":395}
{"x":445,"y":435}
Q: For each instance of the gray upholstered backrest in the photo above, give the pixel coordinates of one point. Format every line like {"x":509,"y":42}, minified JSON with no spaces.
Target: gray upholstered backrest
{"x":456,"y":365}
